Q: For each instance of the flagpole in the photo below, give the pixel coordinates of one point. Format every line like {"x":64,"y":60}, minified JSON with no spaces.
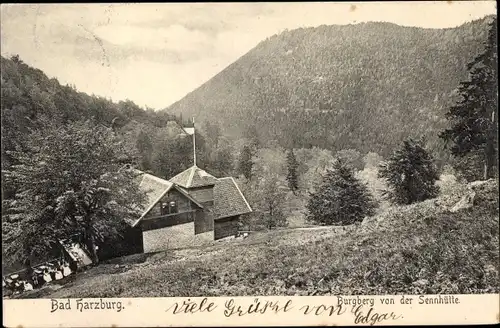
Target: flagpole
{"x":194,"y":144}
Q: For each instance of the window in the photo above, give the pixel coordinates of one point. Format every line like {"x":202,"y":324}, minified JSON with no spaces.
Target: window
{"x":169,"y":207}
{"x":173,"y":207}
{"x":164,"y":208}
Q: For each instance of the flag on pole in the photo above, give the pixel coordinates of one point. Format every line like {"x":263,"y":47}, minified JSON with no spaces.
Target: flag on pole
{"x":189,"y":131}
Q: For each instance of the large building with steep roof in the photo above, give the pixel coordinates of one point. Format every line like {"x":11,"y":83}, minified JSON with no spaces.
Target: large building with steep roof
{"x":192,"y":208}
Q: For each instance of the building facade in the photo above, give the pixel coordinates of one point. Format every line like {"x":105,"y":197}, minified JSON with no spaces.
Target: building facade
{"x":191,"y":209}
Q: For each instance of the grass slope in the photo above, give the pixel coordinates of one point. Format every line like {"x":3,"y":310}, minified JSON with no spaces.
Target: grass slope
{"x":420,"y":248}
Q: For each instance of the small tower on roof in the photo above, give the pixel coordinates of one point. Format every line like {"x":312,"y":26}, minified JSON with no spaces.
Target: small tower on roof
{"x":197,"y":182}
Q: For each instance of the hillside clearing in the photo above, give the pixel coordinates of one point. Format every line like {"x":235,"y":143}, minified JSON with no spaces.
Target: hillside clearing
{"x":420,"y":248}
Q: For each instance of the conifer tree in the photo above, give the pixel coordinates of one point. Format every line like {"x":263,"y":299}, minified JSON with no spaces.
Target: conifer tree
{"x":341,"y":199}
{"x":213,"y":132}
{"x":291,"y":176}
{"x":410,"y":174}
{"x":474,"y":132}
{"x":145,"y":148}
{"x":245,"y":163}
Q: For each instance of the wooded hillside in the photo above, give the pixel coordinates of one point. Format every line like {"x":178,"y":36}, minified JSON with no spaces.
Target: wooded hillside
{"x":340,"y":87}
{"x":28,"y":95}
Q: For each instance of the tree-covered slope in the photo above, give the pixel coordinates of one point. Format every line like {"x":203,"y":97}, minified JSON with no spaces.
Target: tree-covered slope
{"x":30,"y":100}
{"x":364,"y":86}
{"x":27,"y":95}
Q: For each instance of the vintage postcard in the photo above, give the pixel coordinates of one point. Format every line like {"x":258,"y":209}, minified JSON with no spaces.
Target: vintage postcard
{"x":249,"y":164}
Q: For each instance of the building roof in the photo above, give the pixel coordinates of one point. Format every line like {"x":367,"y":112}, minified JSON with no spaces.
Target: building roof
{"x":194,"y":177}
{"x":155,"y":188}
{"x":228,"y":199}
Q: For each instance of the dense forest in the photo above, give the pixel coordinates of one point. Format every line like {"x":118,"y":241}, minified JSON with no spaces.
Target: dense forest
{"x":342,"y":87}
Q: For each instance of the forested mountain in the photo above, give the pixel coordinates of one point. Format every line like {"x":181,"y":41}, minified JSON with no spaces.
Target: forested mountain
{"x":365,"y":86}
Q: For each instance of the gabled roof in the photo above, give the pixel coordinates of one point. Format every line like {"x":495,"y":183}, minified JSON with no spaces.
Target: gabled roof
{"x":155,"y":188}
{"x":228,"y":199}
{"x":194,"y":177}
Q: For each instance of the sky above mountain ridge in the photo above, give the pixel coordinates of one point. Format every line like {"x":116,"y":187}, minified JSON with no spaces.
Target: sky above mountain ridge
{"x":154,"y":54}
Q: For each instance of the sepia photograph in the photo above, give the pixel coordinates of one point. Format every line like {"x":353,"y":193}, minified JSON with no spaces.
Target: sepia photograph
{"x":249,"y":149}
